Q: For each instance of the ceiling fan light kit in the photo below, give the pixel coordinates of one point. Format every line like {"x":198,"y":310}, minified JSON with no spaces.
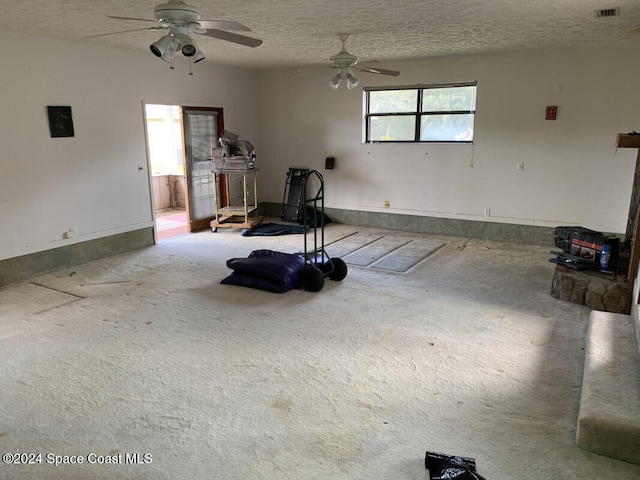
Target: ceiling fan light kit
{"x":345,"y":75}
{"x":169,"y":44}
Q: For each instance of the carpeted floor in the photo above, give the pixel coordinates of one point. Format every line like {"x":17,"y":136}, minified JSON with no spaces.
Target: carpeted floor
{"x":384,"y":252}
{"x":147,"y":353}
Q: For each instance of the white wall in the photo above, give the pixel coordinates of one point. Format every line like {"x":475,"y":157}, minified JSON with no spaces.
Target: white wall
{"x":91,"y":182}
{"x":572,"y":175}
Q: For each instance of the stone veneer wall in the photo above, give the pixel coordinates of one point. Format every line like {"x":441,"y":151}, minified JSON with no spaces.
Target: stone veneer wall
{"x":596,"y":290}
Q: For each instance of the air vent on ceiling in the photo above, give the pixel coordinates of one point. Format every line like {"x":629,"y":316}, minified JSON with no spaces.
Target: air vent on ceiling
{"x":607,"y":12}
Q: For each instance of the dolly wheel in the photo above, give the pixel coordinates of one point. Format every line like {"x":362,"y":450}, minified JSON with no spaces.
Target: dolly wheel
{"x":339,"y":270}
{"x":313,"y":279}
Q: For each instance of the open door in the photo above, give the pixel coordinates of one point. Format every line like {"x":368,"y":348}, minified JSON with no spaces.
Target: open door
{"x":202,"y":127}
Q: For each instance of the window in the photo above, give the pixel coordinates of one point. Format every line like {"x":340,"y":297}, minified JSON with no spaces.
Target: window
{"x":430,"y":113}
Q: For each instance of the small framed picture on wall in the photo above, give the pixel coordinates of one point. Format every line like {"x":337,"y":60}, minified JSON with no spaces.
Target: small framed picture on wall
{"x":60,"y":121}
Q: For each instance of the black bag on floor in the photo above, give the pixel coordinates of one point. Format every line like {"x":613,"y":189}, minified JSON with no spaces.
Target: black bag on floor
{"x":450,"y":467}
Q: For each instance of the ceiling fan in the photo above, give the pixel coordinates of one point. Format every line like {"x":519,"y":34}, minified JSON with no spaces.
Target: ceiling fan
{"x":346,"y":63}
{"x":180,"y":20}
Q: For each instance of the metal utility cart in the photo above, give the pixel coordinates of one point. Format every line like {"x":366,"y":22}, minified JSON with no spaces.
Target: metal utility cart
{"x":236,"y":216}
{"x":319,"y":263}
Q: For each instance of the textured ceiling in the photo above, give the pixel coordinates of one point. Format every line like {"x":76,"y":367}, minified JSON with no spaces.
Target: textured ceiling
{"x":297,"y":32}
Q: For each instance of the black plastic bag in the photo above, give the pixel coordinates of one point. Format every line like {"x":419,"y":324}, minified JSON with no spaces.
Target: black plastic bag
{"x":450,"y":467}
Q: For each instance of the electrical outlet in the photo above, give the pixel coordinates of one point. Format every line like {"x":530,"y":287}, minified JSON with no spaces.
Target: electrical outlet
{"x":386,"y":204}
{"x":487,"y":212}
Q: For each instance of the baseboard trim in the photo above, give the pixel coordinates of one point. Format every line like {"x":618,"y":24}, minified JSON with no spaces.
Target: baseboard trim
{"x":21,"y":268}
{"x":501,"y":232}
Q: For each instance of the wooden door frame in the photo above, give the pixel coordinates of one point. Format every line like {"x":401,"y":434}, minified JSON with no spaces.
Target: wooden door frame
{"x":203,"y":223}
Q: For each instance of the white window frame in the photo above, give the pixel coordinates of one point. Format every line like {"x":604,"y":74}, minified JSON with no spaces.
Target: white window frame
{"x":417,"y":114}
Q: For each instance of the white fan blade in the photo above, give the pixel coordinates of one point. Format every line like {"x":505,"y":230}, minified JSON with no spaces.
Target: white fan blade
{"x":125,"y":31}
{"x":381,"y":71}
{"x":233,"y":37}
{"x":132,"y":18}
{"x":223,"y":25}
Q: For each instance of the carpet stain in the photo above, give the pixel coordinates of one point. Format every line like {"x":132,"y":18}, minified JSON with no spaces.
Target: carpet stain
{"x":282,"y":404}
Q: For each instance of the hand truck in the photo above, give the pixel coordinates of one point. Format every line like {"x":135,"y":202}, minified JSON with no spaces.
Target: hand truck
{"x":319,"y":263}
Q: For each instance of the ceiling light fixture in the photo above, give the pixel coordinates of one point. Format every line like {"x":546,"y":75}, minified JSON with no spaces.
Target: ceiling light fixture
{"x":352,"y":81}
{"x":198,"y":57}
{"x":191,"y":49}
{"x":187,"y":45}
{"x":166,"y":45}
{"x":347,"y":75}
{"x":176,"y":39}
{"x":335,"y":82}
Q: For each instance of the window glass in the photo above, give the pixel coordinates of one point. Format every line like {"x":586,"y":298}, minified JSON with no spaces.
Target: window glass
{"x":448,"y":99}
{"x":392,"y":128}
{"x":393,"y":101}
{"x":445,"y":128}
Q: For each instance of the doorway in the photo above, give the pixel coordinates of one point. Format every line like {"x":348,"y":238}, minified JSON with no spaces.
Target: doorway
{"x":180,"y":143}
